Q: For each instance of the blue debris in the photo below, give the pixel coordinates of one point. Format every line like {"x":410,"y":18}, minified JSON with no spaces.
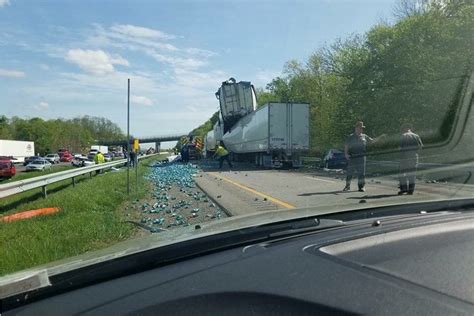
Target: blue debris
{"x":159,"y":221}
{"x":167,"y":177}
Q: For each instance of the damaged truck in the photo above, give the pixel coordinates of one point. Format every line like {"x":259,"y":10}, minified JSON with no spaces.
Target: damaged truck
{"x":274,"y":135}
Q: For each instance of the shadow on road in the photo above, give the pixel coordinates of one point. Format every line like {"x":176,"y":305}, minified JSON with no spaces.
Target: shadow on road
{"x":372,"y":197}
{"x":213,"y":165}
{"x":323,"y":193}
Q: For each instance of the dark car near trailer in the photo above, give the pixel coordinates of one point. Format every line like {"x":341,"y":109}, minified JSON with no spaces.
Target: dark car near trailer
{"x":31,"y":159}
{"x":334,"y":159}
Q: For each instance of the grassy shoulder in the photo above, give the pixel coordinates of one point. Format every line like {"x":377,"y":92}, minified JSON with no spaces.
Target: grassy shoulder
{"x":88,"y":219}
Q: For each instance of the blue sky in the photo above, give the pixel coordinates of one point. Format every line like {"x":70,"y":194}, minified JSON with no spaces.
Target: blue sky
{"x":71,"y":58}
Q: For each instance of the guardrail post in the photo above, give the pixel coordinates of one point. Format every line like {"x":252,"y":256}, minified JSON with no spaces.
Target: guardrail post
{"x":73,"y":182}
{"x":44,"y":191}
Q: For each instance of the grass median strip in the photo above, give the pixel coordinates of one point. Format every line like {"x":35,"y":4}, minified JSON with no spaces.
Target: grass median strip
{"x":89,"y":219}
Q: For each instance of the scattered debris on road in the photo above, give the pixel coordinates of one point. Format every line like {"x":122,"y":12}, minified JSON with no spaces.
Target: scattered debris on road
{"x":174,"y":200}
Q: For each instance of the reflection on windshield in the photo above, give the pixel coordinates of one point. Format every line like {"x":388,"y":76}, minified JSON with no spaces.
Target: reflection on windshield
{"x":224,"y":120}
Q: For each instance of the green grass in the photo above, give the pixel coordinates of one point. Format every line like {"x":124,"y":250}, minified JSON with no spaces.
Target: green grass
{"x":90,"y":218}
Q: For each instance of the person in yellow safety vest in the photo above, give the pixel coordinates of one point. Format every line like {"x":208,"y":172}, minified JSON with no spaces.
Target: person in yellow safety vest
{"x":98,"y":159}
{"x":223,"y":155}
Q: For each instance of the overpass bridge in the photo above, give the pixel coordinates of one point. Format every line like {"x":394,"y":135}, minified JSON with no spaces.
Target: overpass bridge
{"x":152,"y":139}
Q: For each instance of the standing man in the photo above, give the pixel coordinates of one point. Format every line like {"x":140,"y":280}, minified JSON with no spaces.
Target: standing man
{"x":355,"y":152}
{"x":132,"y":158}
{"x":223,"y":155}
{"x":410,"y":146}
{"x":185,"y":153}
{"x":98,"y":159}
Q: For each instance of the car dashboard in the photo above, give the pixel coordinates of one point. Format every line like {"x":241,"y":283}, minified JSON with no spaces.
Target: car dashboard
{"x":418,"y":265}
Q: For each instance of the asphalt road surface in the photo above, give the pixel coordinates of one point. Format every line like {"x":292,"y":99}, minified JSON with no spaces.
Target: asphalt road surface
{"x":248,"y":191}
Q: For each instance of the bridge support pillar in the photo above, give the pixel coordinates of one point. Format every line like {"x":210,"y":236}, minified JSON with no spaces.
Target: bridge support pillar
{"x":157,"y":147}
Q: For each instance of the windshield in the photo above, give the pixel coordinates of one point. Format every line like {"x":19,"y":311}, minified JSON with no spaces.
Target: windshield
{"x":199,"y":113}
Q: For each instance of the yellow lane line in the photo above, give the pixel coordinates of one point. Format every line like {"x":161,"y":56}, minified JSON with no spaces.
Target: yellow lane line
{"x":272,"y":199}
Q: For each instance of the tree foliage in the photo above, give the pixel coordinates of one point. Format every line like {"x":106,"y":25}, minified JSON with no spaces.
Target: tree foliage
{"x":76,"y":134}
{"x":207,"y":126}
{"x":411,"y":71}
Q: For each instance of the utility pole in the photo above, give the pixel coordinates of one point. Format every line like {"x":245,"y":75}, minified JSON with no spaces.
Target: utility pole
{"x":128,"y":138}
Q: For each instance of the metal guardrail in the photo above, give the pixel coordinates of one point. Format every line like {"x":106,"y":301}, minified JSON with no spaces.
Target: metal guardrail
{"x":20,"y":186}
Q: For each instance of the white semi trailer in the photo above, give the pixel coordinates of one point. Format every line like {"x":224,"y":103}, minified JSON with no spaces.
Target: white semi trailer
{"x":17,"y":149}
{"x":102,"y":149}
{"x":275,"y":135}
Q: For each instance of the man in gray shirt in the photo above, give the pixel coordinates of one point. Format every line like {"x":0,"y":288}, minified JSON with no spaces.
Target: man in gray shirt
{"x":410,"y":145}
{"x":355,"y":151}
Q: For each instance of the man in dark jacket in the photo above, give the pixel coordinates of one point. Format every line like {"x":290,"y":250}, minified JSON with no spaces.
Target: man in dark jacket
{"x":410,"y":145}
{"x":355,"y":152}
{"x":185,"y":153}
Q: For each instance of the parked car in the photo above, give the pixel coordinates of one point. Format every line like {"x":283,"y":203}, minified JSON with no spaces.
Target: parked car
{"x":92,"y":154}
{"x":82,"y":162}
{"x":119,"y":154}
{"x":7,"y":169}
{"x":334,"y":159}
{"x":30,"y":159}
{"x":52,"y":158}
{"x":9,"y":158}
{"x":107,"y":157}
{"x":66,"y":157}
{"x":39,"y":164}
{"x":63,"y":151}
{"x":76,"y":155}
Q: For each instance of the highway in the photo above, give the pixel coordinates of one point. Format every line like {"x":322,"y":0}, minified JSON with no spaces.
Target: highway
{"x":251,"y":190}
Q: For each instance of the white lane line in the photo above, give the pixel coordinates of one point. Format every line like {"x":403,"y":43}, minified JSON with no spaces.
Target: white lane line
{"x":319,"y":179}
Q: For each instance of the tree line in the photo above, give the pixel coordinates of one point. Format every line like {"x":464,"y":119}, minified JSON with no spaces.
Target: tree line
{"x":76,"y":135}
{"x":409,"y":71}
